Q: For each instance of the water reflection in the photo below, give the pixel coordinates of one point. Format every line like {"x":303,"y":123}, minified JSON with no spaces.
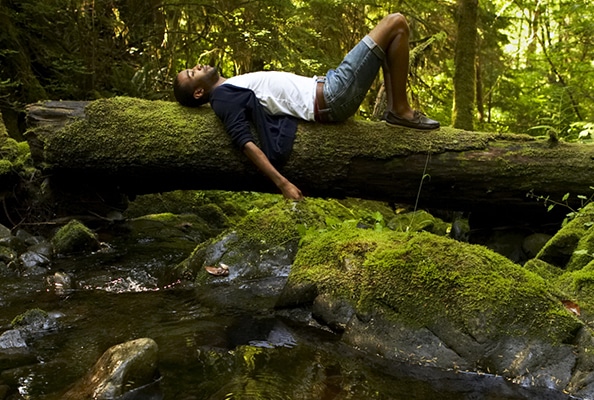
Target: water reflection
{"x":207,"y":352}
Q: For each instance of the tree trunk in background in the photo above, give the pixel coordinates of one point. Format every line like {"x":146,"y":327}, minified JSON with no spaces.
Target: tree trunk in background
{"x":480,"y":106}
{"x":464,"y":62}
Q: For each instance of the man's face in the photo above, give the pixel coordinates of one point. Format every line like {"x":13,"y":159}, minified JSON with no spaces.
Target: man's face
{"x":199,"y":77}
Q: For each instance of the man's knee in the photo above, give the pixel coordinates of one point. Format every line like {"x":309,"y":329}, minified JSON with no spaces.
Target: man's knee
{"x":397,"y":22}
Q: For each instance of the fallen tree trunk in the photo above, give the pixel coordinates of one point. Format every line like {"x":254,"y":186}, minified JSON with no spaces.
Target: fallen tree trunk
{"x":141,"y":146}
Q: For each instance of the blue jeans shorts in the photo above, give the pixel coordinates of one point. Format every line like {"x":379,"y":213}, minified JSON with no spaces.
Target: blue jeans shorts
{"x":347,"y":85}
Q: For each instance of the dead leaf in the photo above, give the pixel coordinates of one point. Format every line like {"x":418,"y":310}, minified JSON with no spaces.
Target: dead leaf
{"x":221,"y":270}
{"x":571,"y":306}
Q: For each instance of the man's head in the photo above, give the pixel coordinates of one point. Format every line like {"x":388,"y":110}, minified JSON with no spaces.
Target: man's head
{"x":192,"y":87}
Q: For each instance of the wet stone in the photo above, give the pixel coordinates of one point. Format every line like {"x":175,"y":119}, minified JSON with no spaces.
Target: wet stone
{"x":34,"y":322}
{"x":334,"y":312}
{"x":122,"y":368}
{"x":32,"y":262}
{"x":534,"y":243}
{"x":12,"y":339}
{"x":5,"y":270}
{"x":60,"y":282}
{"x":4,"y":233}
{"x":7,"y":255}
{"x":42,"y":247}
{"x":74,"y":238}
{"x":27,"y":238}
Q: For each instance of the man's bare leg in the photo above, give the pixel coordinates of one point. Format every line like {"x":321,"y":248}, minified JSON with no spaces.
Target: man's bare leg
{"x":392,"y":34}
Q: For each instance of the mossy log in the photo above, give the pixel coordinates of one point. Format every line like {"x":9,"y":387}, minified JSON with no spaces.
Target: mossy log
{"x":142,"y":146}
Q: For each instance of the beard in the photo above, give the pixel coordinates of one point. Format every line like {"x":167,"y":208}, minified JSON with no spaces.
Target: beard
{"x":211,"y":77}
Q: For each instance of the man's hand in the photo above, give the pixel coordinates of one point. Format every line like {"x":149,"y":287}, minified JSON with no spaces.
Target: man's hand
{"x":291,"y":191}
{"x":288,"y":190}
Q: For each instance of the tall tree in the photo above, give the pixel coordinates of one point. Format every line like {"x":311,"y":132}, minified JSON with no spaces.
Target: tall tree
{"x":464,"y":63}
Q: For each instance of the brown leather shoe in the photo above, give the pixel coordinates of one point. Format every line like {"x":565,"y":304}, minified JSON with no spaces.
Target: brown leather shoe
{"x":419,"y":121}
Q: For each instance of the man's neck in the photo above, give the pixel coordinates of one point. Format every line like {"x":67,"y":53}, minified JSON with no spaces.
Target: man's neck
{"x":219,"y":82}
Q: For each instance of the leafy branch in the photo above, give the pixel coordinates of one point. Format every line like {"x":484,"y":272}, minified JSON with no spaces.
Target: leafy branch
{"x":564,"y":202}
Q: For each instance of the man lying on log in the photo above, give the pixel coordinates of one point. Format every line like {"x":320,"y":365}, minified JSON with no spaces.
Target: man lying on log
{"x":272,"y":100}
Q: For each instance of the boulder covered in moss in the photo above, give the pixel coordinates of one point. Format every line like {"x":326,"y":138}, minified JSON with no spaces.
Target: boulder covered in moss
{"x":561,"y":249}
{"x":430,"y":300}
{"x":9,"y":155}
{"x":254,"y":257}
{"x":34,"y":323}
{"x":13,"y":157}
{"x":577,"y":287}
{"x":418,"y":221}
{"x":73,"y":238}
{"x":170,"y":228}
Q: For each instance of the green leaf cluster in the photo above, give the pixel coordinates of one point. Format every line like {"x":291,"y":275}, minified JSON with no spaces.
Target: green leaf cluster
{"x":533,"y":63}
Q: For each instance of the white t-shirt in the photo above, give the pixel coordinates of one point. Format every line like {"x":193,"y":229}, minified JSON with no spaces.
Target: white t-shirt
{"x":280,"y":93}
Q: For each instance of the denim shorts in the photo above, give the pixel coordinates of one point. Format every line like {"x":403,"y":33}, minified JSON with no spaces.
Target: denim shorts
{"x":348,"y":84}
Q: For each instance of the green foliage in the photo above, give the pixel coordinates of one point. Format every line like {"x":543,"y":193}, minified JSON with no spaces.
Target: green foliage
{"x":534,"y":61}
{"x":574,"y":204}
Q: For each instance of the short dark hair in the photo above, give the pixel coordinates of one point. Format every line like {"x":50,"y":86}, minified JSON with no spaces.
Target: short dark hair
{"x":184,"y":94}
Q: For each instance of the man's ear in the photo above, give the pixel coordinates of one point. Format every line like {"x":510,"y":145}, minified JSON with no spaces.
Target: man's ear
{"x":198,"y":93}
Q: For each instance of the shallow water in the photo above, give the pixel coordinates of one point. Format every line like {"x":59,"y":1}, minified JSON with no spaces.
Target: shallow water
{"x":205,"y":351}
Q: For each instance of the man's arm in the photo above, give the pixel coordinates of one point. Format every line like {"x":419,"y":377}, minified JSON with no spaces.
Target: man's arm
{"x":258,"y":157}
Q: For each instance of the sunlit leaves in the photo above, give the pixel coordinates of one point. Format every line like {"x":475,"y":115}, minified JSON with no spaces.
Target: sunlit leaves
{"x":535,"y":61}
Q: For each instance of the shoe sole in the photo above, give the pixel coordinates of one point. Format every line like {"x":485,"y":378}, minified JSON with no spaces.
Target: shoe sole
{"x":410,"y":127}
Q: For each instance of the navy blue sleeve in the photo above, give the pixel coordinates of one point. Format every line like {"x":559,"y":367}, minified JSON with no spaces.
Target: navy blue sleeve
{"x":238,"y":109}
{"x":234,"y":116}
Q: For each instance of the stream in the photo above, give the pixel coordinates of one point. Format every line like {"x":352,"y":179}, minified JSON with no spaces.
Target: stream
{"x":205,"y":351}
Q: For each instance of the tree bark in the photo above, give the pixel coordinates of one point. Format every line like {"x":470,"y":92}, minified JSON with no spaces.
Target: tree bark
{"x":138,"y":146}
{"x":464,"y":62}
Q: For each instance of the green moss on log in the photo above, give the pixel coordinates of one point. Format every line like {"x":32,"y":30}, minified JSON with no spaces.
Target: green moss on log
{"x":159,"y":129}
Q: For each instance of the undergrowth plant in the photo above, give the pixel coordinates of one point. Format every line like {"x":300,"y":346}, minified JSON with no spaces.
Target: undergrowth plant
{"x":564,"y":202}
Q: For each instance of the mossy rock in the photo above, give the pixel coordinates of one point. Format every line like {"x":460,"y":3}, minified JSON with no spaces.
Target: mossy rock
{"x":418,"y":221}
{"x":29,"y":317}
{"x":9,"y":153}
{"x":560,"y":249}
{"x":259,"y":233}
{"x":14,"y":160}
{"x":578,"y":286}
{"x":168,"y":227}
{"x":419,"y":279}
{"x":213,"y":215}
{"x":74,"y":237}
{"x":545,"y":270}
{"x":219,"y":208}
{"x":583,"y":253}
{"x":273,"y":223}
